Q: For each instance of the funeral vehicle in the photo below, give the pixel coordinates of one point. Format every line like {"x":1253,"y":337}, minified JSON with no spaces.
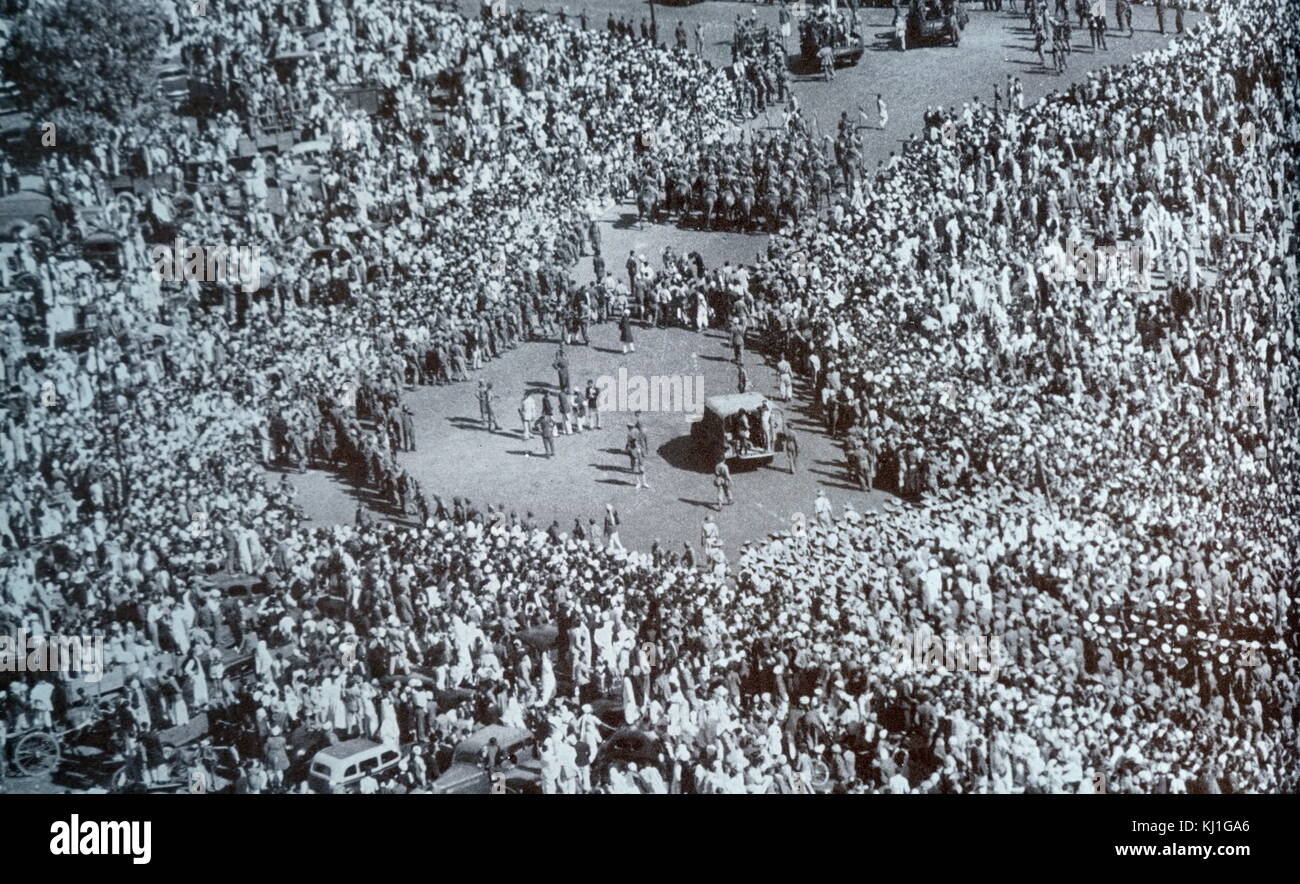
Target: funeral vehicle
{"x":732,"y":428}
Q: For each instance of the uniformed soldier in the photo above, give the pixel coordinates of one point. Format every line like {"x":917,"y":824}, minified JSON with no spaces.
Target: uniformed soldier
{"x":827,"y":57}
{"x":561,"y":366}
{"x":584,"y":319}
{"x":485,"y":397}
{"x":632,"y":266}
{"x":785,"y":379}
{"x":722,"y":482}
{"x":790,"y":444}
{"x":546,"y":426}
{"x":593,"y":405}
{"x":857,"y":465}
{"x":408,"y":428}
{"x":709,"y":534}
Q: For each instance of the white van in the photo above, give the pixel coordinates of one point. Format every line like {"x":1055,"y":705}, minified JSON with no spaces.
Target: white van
{"x":340,"y":767}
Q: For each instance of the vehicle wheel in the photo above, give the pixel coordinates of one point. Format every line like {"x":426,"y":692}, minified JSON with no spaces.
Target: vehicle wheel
{"x":120,"y":780}
{"x":45,"y":226}
{"x":37,"y":753}
{"x":820,"y":774}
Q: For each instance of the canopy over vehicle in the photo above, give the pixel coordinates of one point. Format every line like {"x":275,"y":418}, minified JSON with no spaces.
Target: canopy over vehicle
{"x":740,"y":427}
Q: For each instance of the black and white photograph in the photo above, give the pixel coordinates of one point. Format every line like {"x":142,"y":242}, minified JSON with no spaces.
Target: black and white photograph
{"x":804,"y":397}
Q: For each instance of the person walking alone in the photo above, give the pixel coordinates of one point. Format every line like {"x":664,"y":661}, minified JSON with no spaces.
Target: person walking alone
{"x":625,"y":332}
{"x":489,"y":414}
{"x":638,"y":467}
{"x":527,"y":415}
{"x":722,"y":481}
{"x":784,"y":379}
{"x":593,"y":405}
{"x":546,"y":426}
{"x":790,"y":444}
{"x":613,"y":543}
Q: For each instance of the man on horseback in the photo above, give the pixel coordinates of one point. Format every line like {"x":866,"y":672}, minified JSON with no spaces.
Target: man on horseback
{"x":745,"y":208}
{"x":646,"y":199}
{"x":772,"y":205}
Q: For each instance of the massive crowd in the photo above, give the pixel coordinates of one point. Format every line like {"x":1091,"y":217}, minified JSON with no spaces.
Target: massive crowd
{"x":1098,"y":474}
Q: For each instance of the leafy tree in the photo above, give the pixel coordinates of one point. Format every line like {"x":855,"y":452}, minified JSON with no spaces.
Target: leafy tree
{"x":86,"y":64}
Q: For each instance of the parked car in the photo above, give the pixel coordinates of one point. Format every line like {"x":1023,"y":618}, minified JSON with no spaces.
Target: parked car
{"x":16,"y":123}
{"x":628,"y":745}
{"x":518,"y":768}
{"x":935,"y":21}
{"x":28,"y":206}
{"x":339,"y":768}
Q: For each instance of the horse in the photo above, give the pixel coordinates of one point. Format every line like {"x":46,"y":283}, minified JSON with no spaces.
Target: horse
{"x":772,"y":209}
{"x":798,"y":205}
{"x":728,"y":198}
{"x":647,"y":200}
{"x":707,"y":200}
{"x":745,"y":209}
{"x":680,"y":194}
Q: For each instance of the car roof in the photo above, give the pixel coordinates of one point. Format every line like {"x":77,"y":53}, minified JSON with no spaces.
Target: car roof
{"x":310,"y":146}
{"x":628,"y":735}
{"x":348,"y":748}
{"x":505,"y":736}
{"x":730,"y":403}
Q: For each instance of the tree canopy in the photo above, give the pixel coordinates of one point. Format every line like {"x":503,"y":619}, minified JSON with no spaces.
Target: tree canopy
{"x":86,"y":64}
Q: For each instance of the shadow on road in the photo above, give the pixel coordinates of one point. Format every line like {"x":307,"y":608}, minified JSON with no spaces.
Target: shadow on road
{"x":680,"y":453}
{"x":707,"y":504}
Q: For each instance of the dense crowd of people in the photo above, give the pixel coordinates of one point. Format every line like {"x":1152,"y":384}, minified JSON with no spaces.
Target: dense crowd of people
{"x":969,"y":360}
{"x":1098,"y":474}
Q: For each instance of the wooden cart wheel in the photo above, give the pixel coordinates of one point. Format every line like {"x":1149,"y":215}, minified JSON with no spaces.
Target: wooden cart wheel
{"x":37,"y":753}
